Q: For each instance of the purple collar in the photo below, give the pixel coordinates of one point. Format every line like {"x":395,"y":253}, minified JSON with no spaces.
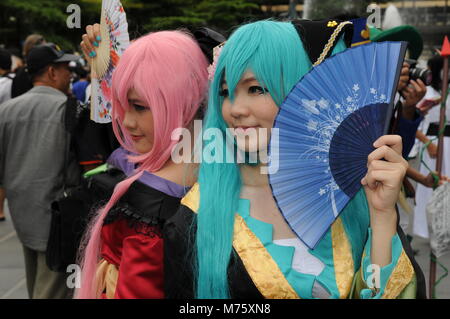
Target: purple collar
{"x":119,"y":159}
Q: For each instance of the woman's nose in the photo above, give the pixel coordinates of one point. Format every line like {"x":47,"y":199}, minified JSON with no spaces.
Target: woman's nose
{"x":239,"y":107}
{"x":129,"y":122}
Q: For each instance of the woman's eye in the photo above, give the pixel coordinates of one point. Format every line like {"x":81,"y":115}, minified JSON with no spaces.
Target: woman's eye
{"x":256,"y":90}
{"x":223,"y":92}
{"x":140,"y":108}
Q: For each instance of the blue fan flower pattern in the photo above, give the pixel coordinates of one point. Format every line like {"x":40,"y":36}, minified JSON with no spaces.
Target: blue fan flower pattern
{"x":326,"y":129}
{"x":323,"y":131}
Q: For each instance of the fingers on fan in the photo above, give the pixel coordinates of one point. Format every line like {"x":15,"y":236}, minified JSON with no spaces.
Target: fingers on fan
{"x":88,"y":47}
{"x":96,"y":28}
{"x":395,"y":141}
{"x":392,"y":176}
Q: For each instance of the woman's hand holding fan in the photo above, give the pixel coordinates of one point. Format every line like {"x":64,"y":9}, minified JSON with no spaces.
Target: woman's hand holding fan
{"x":90,"y":43}
{"x":103,"y":45}
{"x":386,"y":171}
{"x":382,"y":184}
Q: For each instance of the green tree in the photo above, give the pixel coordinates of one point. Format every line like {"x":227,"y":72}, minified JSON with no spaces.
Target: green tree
{"x":221,"y":15}
{"x":19,"y":18}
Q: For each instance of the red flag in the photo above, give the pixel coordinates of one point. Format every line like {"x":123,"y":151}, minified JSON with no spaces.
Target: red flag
{"x":445,"y":51}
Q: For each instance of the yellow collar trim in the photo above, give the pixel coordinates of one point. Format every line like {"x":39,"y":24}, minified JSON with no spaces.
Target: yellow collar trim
{"x":260,"y":264}
{"x":192,"y":198}
{"x":342,"y":259}
{"x":261,"y":267}
{"x":401,"y":276}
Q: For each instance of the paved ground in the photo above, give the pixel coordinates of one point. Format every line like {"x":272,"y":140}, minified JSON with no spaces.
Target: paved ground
{"x":423,"y":258}
{"x":12,"y":271}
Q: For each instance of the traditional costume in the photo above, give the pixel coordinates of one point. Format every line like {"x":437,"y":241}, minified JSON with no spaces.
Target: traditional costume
{"x":339,"y":267}
{"x":131,"y":234}
{"x":123,"y":257}
{"x":259,"y":267}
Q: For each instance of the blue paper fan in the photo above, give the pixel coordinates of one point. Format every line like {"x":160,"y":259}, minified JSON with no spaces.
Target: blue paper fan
{"x":326,"y":129}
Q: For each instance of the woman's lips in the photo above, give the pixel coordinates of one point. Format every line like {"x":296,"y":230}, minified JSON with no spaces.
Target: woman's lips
{"x":245,"y":128}
{"x":136,"y":137}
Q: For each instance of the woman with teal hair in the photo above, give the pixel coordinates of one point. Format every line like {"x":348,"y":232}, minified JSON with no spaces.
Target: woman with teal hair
{"x":229,"y":240}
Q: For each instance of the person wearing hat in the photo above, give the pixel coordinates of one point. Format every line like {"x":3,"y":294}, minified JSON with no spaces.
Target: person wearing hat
{"x":33,"y":162}
{"x":47,"y":64}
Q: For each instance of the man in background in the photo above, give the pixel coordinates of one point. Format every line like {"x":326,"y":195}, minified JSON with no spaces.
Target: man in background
{"x":34,"y":165}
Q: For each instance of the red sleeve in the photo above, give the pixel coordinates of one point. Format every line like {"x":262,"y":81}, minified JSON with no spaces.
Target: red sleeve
{"x":141,"y":268}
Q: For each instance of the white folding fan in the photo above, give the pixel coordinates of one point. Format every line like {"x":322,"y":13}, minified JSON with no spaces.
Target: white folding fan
{"x":114,"y":41}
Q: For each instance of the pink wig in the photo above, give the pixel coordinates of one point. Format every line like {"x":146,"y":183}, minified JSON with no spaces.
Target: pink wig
{"x":169,"y":71}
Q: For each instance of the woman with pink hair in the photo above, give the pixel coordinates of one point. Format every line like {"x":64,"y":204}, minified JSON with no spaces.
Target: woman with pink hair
{"x":158,"y":86}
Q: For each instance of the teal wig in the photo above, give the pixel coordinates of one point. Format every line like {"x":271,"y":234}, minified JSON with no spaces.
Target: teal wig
{"x":275,"y":54}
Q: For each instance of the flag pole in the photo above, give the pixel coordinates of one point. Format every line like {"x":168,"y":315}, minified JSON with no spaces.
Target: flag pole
{"x":445,"y":53}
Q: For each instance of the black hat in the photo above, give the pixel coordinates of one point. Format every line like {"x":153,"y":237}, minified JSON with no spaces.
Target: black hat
{"x":43,"y":55}
{"x":319,"y":37}
{"x":208,"y":39}
{"x":5,"y":60}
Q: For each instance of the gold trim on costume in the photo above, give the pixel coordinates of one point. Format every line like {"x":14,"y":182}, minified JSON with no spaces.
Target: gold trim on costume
{"x":360,"y":43}
{"x":401,"y":276}
{"x":342,"y":259}
{"x":192,"y":198}
{"x":330,"y":43}
{"x":107,"y":275}
{"x":264,"y":271}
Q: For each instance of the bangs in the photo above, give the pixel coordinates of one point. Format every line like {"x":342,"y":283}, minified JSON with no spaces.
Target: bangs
{"x":277,"y":63}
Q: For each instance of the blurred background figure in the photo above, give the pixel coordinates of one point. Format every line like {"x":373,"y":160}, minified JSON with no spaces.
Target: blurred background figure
{"x":16,"y":57}
{"x":22,"y":82}
{"x":6,"y":78}
{"x":428,"y":131}
{"x":80,"y":80}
